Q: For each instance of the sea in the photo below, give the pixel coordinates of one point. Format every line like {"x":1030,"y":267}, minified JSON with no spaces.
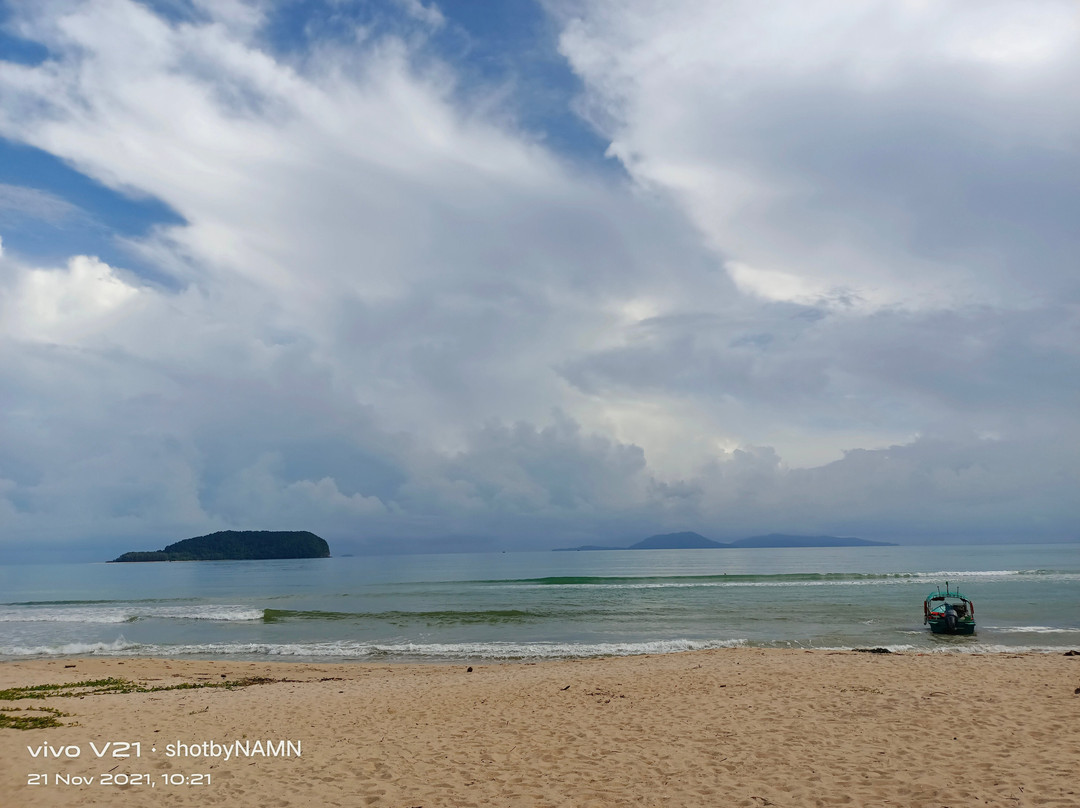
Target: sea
{"x":552,"y":605}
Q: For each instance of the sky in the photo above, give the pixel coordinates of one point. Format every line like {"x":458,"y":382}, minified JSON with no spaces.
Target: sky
{"x":424,"y":276}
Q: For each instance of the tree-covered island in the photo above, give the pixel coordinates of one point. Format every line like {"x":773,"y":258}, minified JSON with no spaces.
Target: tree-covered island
{"x":238,"y":545}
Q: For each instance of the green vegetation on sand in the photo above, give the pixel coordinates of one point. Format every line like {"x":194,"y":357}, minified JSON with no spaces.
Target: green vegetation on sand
{"x":37,"y":717}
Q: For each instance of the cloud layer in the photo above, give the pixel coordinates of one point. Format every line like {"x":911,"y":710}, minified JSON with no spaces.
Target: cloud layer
{"x":835,"y":290}
{"x":891,"y":153}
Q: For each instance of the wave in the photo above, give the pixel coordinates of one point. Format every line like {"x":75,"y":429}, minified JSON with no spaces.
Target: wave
{"x":1000,"y":573}
{"x":494,"y":651}
{"x":995,"y":648}
{"x":965,"y":648}
{"x":95,"y":602}
{"x":443,"y":617}
{"x":896,"y":648}
{"x":368,"y":651}
{"x":118,"y":647}
{"x":776,"y":579}
{"x":129,"y":613}
{"x":623,"y":580}
{"x":1033,"y":629}
{"x":448,"y":617}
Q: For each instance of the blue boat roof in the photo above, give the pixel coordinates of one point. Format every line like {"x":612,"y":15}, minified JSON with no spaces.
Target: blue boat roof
{"x":949,"y":593}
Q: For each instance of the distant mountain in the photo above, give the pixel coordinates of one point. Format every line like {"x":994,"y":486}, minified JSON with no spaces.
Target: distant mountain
{"x":676,"y":541}
{"x":695,"y":541}
{"x":238,"y":545}
{"x":784,"y":540}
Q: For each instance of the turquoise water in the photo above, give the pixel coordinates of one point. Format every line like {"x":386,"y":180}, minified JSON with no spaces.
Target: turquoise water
{"x":541,"y":605}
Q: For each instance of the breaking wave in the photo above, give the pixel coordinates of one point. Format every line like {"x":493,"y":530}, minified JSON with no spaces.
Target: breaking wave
{"x":1034,"y":629}
{"x":779,"y":579}
{"x":87,"y":612}
{"x":388,"y":651}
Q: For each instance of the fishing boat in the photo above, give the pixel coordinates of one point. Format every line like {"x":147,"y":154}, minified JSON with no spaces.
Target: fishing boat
{"x":949,"y":612}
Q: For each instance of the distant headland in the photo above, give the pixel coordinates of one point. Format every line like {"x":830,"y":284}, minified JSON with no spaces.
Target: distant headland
{"x":238,"y":545}
{"x":695,"y":541}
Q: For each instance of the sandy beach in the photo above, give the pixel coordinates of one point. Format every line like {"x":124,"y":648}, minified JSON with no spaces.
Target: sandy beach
{"x":738,"y":727}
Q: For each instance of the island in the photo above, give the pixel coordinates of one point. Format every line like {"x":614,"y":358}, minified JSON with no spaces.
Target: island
{"x":688,"y":540}
{"x":238,"y":545}
{"x":784,"y":540}
{"x":676,"y":541}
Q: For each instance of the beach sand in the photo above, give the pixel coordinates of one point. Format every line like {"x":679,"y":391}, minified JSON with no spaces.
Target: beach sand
{"x":735,"y":727}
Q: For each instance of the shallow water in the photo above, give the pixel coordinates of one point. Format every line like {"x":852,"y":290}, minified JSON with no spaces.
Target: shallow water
{"x":535,"y":605}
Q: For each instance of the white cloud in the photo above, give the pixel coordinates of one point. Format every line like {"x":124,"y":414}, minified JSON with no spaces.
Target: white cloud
{"x":379,"y":294}
{"x":64,"y":305}
{"x":17,"y":201}
{"x":429,"y":14}
{"x":905,"y":152}
{"x":777,"y":286}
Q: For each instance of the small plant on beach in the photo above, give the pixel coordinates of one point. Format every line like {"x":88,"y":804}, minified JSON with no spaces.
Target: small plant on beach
{"x":88,"y":687}
{"x":95,"y":687}
{"x":35,"y":720}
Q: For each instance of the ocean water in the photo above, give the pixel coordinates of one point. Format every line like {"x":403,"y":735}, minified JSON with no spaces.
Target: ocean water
{"x":541,"y":605}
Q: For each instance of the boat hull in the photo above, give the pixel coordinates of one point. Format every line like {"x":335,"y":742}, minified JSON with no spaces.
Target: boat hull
{"x":961,"y":627}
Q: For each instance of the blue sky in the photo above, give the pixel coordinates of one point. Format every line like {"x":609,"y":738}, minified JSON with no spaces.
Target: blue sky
{"x":522,"y":275}
{"x":492,"y":45}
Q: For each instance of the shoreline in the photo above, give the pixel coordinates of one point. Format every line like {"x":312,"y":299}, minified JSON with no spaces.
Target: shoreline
{"x":735,"y":726}
{"x":947,"y":648}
